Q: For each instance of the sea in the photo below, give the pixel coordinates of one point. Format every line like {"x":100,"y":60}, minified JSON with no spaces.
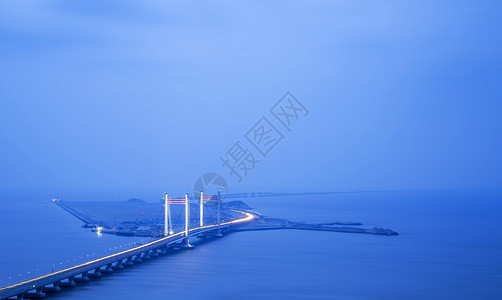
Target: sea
{"x":449,"y":247}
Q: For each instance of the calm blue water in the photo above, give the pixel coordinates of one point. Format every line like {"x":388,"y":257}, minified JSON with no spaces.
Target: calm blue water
{"x":449,"y":247}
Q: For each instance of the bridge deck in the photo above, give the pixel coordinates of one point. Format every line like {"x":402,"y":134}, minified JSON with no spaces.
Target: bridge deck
{"x":54,"y":277}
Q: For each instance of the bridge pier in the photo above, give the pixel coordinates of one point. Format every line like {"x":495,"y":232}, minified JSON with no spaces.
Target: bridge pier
{"x":52,"y":289}
{"x":163,"y":250}
{"x":95,"y":274}
{"x":118,"y":266}
{"x":107,"y":270}
{"x":20,"y":296}
{"x":144,"y":256}
{"x":137,"y":259}
{"x":128,"y":262}
{"x":69,"y":283}
{"x":184,"y":244}
{"x":153,"y":254}
{"x":35,"y":295}
{"x":82,"y":279}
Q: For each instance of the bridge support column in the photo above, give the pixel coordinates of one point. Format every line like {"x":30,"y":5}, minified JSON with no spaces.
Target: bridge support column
{"x":201,"y":210}
{"x":20,"y":297}
{"x":52,"y":289}
{"x":163,"y":250}
{"x":218,"y":234}
{"x":184,"y":244}
{"x":128,"y":262}
{"x":167,"y":217}
{"x":96,"y":274}
{"x":144,"y":256}
{"x":108,"y":269}
{"x":69,"y":283}
{"x":137,"y":259}
{"x":83,"y":278}
{"x":187,"y":216}
{"x":153,"y":253}
{"x":118,"y":266}
{"x":35,"y":295}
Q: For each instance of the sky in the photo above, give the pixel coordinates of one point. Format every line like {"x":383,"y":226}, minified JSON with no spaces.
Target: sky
{"x":132,"y":95}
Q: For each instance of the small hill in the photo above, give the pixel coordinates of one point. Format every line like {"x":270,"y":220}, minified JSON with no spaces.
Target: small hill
{"x":136,"y":200}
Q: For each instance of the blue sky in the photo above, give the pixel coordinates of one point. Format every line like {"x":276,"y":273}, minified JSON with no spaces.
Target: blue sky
{"x":149,"y":94}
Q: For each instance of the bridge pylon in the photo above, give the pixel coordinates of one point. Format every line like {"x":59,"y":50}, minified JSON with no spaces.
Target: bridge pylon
{"x":218,"y":233}
{"x":186,"y":242}
{"x":201,"y":209}
{"x":168,"y":227}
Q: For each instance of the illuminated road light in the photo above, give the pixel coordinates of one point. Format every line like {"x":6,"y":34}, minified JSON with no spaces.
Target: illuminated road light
{"x":179,"y":234}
